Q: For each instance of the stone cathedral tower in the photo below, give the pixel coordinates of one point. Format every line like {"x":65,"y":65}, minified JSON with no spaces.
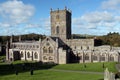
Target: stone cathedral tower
{"x":61,"y":24}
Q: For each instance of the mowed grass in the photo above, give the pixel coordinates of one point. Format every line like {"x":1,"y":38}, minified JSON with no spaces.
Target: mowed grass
{"x":45,"y":72}
{"x":94,"y":67}
{"x":52,"y":75}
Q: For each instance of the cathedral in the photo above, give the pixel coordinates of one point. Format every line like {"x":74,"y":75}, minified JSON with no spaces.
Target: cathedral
{"x":60,"y":47}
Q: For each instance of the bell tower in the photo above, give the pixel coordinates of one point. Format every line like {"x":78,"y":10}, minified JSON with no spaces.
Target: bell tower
{"x":61,"y":23}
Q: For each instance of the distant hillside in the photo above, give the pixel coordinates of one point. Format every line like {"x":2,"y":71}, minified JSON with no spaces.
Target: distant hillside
{"x":82,"y":36}
{"x":112,"y":39}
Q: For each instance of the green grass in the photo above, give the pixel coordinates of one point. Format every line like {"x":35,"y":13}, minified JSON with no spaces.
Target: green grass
{"x":42,"y":72}
{"x":52,"y":75}
{"x":94,"y":67}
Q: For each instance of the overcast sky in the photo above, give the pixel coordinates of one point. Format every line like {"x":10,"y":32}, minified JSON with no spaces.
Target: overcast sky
{"x":96,"y":17}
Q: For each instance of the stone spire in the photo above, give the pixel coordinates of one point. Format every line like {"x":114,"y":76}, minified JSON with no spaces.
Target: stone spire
{"x":7,"y":50}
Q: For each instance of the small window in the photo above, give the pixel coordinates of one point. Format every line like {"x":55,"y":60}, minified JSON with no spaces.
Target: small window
{"x":57,"y":29}
{"x":50,"y":58}
{"x":44,"y":58}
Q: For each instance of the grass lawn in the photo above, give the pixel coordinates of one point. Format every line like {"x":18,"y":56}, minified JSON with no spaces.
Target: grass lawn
{"x":52,"y":75}
{"x":94,"y":67}
{"x":42,"y":72}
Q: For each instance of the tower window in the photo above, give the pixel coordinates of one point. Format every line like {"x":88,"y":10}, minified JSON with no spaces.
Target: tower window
{"x":57,"y":29}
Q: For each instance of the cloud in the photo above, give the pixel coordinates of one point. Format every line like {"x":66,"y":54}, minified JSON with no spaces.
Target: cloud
{"x":97,"y":21}
{"x":32,"y":25}
{"x":111,"y":4}
{"x":45,"y":23}
{"x":15,"y":12}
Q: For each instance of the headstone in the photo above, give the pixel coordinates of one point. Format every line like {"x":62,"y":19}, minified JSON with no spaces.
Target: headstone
{"x":106,"y":74}
{"x":112,"y":76}
{"x":31,"y":72}
{"x":16,"y":72}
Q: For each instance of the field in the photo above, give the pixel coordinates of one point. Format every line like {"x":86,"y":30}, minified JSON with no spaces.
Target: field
{"x":94,"y":67}
{"x":54,"y":72}
{"x":52,"y":75}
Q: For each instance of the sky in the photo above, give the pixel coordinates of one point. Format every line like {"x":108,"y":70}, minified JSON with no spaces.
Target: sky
{"x":93,"y":17}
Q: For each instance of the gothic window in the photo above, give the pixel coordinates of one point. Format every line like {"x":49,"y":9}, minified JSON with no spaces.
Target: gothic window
{"x":35,"y":55}
{"x":44,"y":50}
{"x":50,"y":50}
{"x":94,"y":57}
{"x":57,"y":30}
{"x":28,"y":55}
{"x":111,"y":58}
{"x":102,"y":58}
{"x":86,"y":57}
{"x":21,"y":54}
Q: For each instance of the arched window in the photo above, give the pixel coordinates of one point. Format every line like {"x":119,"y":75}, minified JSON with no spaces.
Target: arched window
{"x":28,"y":55}
{"x":50,"y":50}
{"x":94,"y":57}
{"x":86,"y":57}
{"x":111,"y":58}
{"x":102,"y":57}
{"x":35,"y":55}
{"x":21,"y":54}
{"x":44,"y":50}
{"x":57,"y":30}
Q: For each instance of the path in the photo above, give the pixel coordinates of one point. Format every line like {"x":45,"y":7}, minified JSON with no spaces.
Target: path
{"x":77,"y":71}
